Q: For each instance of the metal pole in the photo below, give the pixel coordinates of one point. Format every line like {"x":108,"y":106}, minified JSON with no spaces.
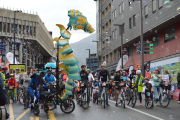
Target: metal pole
{"x":121,"y":28}
{"x":57,"y":72}
{"x":142,"y":47}
{"x":14,"y":36}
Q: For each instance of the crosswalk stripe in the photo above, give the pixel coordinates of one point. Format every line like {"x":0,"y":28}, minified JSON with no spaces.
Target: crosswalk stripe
{"x":37,"y":118}
{"x":31,"y":118}
{"x":22,"y":114}
{"x":51,"y":115}
{"x":11,"y":112}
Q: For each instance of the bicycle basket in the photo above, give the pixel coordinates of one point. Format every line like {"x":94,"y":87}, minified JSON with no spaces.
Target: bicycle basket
{"x":11,"y":87}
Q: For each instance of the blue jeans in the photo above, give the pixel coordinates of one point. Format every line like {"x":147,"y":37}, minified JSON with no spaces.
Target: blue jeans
{"x":31,"y":92}
{"x":156,"y":91}
{"x":106,"y":91}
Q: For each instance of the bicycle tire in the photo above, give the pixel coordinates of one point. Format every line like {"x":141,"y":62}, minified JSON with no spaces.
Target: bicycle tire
{"x":149,"y":104}
{"x":114,"y":96}
{"x":65,"y":104}
{"x":168,"y":100}
{"x":21,"y":98}
{"x":134,"y":99}
{"x":104,"y":104}
{"x":84,"y":102}
{"x":130,"y":98}
{"x":123,"y":101}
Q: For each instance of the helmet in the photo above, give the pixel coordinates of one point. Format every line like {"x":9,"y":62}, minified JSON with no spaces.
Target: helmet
{"x":112,"y":69}
{"x":89,"y":70}
{"x":5,"y":68}
{"x":157,"y":69}
{"x":83,"y":66}
{"x":103,"y":65}
{"x":134,"y":75}
{"x":138,"y":72}
{"x":12,"y":75}
{"x":98,"y":69}
{"x":17,"y":68}
{"x":118,"y":71}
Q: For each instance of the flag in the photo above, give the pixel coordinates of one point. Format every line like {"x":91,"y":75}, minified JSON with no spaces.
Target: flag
{"x":147,"y":69}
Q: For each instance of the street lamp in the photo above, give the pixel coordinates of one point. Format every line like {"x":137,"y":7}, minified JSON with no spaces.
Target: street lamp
{"x":15,"y":32}
{"x":89,"y":57}
{"x":97,"y":50}
{"x":142,"y":47}
{"x":121,"y":33}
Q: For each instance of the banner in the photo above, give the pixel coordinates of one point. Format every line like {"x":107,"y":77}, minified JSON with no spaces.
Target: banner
{"x":22,"y":67}
{"x":136,"y":67}
{"x":10,"y":57}
{"x":125,"y":59}
{"x":130,"y":70}
{"x":147,"y":69}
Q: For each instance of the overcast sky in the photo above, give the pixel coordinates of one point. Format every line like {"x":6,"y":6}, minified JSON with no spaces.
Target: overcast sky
{"x":54,"y":12}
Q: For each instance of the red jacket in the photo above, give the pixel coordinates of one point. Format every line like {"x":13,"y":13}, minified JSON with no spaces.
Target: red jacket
{"x":12,"y":82}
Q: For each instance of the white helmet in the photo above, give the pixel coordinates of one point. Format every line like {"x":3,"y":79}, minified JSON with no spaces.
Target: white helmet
{"x":138,"y":72}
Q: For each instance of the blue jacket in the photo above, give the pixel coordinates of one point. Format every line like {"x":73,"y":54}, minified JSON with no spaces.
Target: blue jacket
{"x":35,"y":81}
{"x":49,"y":79}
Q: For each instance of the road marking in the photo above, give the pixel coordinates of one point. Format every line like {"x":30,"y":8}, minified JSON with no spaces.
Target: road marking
{"x":22,"y":114}
{"x":37,"y":118}
{"x":51,"y":115}
{"x":11,"y":112}
{"x":31,"y":118}
{"x":141,"y":112}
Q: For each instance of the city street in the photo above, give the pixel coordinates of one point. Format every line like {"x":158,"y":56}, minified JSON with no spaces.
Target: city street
{"x":95,"y":112}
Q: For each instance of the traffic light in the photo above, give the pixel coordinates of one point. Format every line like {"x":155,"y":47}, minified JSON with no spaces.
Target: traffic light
{"x":147,"y":48}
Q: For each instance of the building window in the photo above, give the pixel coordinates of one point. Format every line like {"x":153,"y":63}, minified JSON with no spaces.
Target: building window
{"x":0,"y":26}
{"x":28,"y":63}
{"x":103,"y":15}
{"x":169,"y":34}
{"x":115,"y":15}
{"x":160,"y":3}
{"x":113,"y":35}
{"x":116,"y":33}
{"x":103,"y":31}
{"x":131,"y":51}
{"x":130,"y":21}
{"x":4,"y":28}
{"x":146,"y":10}
{"x":115,"y":55}
{"x":155,"y":40}
{"x":122,"y":6}
{"x":134,"y":20}
{"x":34,"y":31}
{"x":120,"y":9}
{"x":130,"y":2}
{"x":123,"y":29}
{"x":154,"y":5}
{"x":112,"y":15}
{"x":20,"y":29}
{"x":8,"y":27}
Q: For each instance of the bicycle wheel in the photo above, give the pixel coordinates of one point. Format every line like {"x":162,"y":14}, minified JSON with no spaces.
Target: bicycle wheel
{"x":149,"y":104}
{"x":67,"y":106}
{"x":84,"y":102}
{"x":52,"y":105}
{"x":128,"y":94}
{"x":114,"y":93}
{"x":164,"y":99}
{"x":20,"y":98}
{"x":134,"y":99}
{"x":104,"y":101}
{"x":130,"y":98}
{"x":123,"y":101}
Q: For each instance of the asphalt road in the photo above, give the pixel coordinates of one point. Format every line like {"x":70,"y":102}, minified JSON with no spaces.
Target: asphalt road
{"x":95,"y":112}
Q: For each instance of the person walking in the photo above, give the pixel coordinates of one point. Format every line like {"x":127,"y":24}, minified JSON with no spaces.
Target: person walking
{"x":167,"y":79}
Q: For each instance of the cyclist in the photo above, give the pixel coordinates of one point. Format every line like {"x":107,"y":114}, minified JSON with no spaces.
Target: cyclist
{"x":48,"y":79}
{"x":156,"y":78}
{"x":33,"y":84}
{"x":102,"y":77}
{"x":139,"y":80}
{"x":90,"y":78}
{"x":3,"y":97}
{"x":84,"y":78}
{"x":117,"y":78}
{"x":12,"y":82}
{"x":148,"y":89}
{"x":110,"y":82}
{"x":26,"y":79}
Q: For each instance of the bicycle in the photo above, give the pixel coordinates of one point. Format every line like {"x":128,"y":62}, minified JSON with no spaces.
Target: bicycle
{"x":133,"y":97}
{"x":103,"y":94}
{"x":21,"y":96}
{"x":163,"y":97}
{"x":85,"y":98}
{"x":122,"y":96}
{"x":95,"y":94}
{"x":149,"y":101}
{"x":11,"y":94}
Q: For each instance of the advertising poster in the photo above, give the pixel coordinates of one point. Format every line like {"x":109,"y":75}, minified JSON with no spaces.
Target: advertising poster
{"x":147,"y":69}
{"x":20,"y":66}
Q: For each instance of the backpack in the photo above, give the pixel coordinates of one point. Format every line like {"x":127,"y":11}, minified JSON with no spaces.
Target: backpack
{"x":3,"y":113}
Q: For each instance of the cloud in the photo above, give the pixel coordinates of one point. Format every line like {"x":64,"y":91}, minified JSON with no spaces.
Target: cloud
{"x":54,"y":12}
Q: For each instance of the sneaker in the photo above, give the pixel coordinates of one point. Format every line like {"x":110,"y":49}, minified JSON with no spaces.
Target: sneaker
{"x":116,"y":104}
{"x":25,"y":107}
{"x":140,"y":104}
{"x":89,"y":104}
{"x":107,"y":104}
{"x":32,"y":107}
{"x":178,"y":102}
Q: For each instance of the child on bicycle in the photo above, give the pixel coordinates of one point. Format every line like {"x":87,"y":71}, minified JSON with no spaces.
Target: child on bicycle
{"x":148,"y":90}
{"x":12,"y":82}
{"x":95,"y":88}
